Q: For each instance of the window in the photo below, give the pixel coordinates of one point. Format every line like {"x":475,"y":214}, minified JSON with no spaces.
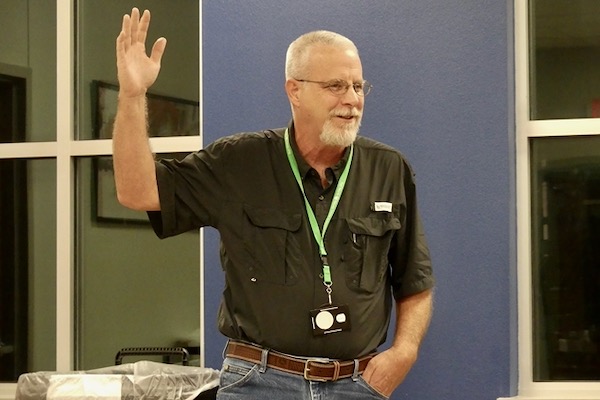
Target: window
{"x":141,"y":290}
{"x":558,"y":168}
{"x":144,"y":290}
{"x":565,"y":175}
{"x":28,"y":195}
{"x":27,"y":266}
{"x":66,"y":270}
{"x":564,"y":53}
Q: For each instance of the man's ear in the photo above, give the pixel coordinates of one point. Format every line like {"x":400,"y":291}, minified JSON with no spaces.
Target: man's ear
{"x":292,"y":88}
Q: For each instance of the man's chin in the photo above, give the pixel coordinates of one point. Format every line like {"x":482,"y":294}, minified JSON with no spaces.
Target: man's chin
{"x":339,"y":139}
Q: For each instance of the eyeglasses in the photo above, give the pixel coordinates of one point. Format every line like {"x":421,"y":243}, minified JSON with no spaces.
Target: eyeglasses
{"x":339,"y":87}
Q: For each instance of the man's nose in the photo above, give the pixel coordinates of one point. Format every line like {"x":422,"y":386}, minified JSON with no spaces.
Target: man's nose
{"x":351,"y":97}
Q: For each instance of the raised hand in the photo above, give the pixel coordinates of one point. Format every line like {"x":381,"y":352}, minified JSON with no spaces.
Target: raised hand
{"x":135,"y":69}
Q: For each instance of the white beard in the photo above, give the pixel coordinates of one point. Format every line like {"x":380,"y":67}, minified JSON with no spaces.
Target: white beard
{"x":332,"y":135}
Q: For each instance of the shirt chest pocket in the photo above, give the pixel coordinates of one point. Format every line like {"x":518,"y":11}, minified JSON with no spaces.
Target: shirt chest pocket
{"x":269,"y":240}
{"x":366,"y":252}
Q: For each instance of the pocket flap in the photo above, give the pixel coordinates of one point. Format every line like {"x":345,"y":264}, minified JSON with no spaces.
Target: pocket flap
{"x":273,"y":218}
{"x":373,"y":226}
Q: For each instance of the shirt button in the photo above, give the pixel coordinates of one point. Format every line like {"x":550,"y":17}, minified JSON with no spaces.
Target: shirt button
{"x":321,"y":197}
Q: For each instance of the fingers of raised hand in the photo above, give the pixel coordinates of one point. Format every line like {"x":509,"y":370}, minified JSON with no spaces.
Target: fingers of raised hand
{"x":144,"y":23}
{"x":133,"y":25}
{"x":124,"y":40}
{"x":134,"y":29}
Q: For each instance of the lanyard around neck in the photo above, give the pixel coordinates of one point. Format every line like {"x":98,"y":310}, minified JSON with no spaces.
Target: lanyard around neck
{"x":317,"y":233}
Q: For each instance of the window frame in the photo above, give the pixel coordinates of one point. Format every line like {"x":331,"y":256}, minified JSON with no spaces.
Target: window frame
{"x":527,"y":129}
{"x":65,"y":150}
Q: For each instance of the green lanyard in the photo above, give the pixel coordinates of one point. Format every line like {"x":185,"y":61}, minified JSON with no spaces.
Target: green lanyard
{"x":319,"y":236}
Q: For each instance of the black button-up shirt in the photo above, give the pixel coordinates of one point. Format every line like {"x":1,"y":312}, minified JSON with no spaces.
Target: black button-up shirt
{"x":243,"y":186}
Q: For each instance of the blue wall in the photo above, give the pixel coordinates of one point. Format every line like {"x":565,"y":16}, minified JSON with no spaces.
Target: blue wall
{"x":442,"y":77}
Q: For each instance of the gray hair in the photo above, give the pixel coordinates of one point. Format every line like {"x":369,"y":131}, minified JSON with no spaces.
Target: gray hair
{"x":297,"y":54}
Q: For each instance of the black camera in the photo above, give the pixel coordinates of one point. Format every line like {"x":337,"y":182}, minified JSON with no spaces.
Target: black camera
{"x":330,"y":319}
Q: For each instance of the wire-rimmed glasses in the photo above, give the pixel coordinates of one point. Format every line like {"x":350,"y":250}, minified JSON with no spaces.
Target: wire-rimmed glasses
{"x":340,"y":87}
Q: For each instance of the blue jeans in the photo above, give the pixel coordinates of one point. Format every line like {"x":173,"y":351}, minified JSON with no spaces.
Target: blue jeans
{"x":242,"y":380}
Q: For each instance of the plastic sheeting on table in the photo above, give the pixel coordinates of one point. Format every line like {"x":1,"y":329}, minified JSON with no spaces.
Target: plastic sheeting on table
{"x":139,"y":380}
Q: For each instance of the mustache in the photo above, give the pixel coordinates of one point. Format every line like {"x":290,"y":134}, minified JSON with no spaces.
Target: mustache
{"x":353,"y":112}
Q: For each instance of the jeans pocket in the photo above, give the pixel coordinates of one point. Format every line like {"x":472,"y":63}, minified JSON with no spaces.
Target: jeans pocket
{"x":235,"y":373}
{"x":361,"y":381}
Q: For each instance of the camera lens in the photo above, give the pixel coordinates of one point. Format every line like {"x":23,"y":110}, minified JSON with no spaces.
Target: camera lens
{"x":324,"y":320}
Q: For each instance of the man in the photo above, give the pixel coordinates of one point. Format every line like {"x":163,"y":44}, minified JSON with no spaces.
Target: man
{"x":319,"y":228}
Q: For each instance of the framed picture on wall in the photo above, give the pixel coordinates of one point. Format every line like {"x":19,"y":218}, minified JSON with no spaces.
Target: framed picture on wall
{"x":167,"y":116}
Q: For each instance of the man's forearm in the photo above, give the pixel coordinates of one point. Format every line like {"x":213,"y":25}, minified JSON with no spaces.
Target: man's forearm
{"x":135,"y":171}
{"x":413,"y":315}
{"x":389,"y":368}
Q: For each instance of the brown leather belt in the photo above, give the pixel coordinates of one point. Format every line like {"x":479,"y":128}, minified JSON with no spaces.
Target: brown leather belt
{"x":313,"y":369}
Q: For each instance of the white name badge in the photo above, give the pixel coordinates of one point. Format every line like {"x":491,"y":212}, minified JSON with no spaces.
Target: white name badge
{"x":382,"y":206}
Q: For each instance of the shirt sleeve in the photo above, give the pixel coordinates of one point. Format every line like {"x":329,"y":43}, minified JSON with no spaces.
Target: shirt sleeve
{"x":411,"y":268}
{"x":190,"y":193}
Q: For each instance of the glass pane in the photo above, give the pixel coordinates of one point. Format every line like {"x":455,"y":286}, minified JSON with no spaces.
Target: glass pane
{"x":173,"y":99}
{"x":28,"y":70}
{"x":133,"y":290}
{"x":564,"y":59}
{"x":566,"y":257}
{"x":27,"y":267}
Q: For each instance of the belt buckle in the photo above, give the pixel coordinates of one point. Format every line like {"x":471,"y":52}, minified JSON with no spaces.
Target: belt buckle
{"x":307,"y":369}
